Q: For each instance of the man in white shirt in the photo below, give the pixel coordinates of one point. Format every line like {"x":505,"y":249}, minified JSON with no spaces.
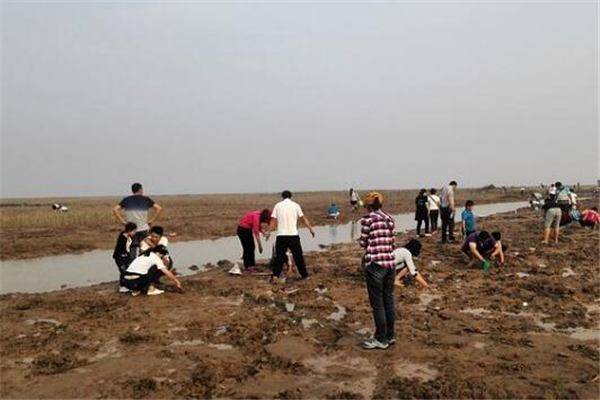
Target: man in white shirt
{"x":286,"y":214}
{"x":447,"y":211}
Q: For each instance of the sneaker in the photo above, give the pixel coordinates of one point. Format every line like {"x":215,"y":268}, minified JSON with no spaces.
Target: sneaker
{"x":123,"y":289}
{"x":278,"y":280}
{"x":152,"y":291}
{"x":428,"y":234}
{"x":374,"y":344}
{"x":136,"y":293}
{"x":392,"y":341}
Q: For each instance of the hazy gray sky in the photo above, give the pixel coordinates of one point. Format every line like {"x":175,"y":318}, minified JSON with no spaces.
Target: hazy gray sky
{"x":237,"y":97}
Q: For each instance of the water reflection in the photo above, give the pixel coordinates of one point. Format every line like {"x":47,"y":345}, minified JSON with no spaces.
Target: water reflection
{"x":50,"y":273}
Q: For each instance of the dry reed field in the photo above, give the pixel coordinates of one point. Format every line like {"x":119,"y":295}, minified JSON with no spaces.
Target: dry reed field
{"x":30,"y":228}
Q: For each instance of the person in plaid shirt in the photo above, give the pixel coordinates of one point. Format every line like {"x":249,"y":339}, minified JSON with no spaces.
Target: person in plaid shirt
{"x":378,"y":238}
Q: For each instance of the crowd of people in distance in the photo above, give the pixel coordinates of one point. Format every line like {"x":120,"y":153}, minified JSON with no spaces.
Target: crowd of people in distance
{"x":142,"y":256}
{"x":561,"y":207}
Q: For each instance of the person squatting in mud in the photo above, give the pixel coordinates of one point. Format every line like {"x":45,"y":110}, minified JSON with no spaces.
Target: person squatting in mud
{"x":378,"y":237}
{"x":122,"y":251}
{"x":484,"y":247}
{"x":156,"y":238}
{"x":144,"y":273}
{"x":405,"y":264}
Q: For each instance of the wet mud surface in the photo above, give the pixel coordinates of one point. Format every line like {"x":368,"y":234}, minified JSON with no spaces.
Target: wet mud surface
{"x":528,"y":329}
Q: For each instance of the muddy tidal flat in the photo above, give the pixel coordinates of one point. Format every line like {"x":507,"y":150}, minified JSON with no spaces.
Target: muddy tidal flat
{"x":528,"y":329}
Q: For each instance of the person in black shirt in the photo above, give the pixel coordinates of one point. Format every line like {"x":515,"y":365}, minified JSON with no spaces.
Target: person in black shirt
{"x":122,"y":255}
{"x":422,"y":211}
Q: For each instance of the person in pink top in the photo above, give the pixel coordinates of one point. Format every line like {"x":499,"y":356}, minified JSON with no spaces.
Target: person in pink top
{"x":590,"y":217}
{"x":251,"y":226}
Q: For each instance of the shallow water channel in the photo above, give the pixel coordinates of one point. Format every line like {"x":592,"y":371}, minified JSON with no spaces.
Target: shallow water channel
{"x":75,"y":270}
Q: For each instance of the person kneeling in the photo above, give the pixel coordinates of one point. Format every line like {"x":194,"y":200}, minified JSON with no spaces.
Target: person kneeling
{"x":146,"y":270}
{"x":405,"y":265}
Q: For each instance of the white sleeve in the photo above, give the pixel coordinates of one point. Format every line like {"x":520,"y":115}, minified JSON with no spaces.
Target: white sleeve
{"x":410,"y":264}
{"x":300,"y":213}
{"x":160,"y":265}
{"x":274,"y":212}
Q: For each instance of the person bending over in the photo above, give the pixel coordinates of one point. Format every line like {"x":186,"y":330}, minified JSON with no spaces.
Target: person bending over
{"x":480,"y":245}
{"x":590,"y":217}
{"x":157,"y":238}
{"x":405,"y":264}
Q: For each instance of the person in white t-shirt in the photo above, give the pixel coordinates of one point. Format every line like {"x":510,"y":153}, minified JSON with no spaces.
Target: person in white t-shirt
{"x":434,"y":209}
{"x":285,"y":215}
{"x":145,"y":271}
{"x":405,"y":264}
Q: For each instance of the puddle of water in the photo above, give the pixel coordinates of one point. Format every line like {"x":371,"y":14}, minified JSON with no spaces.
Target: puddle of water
{"x":537,"y":319}
{"x":221,"y":346}
{"x":76,"y":270}
{"x":568,"y":272}
{"x":475,"y":311}
{"x":426,"y":298}
{"x":195,"y":342}
{"x":585,"y":334}
{"x":409,"y":370}
{"x":308,"y":323}
{"x":43,"y":321}
{"x":339,"y":314}
{"x":592,"y":308}
{"x":109,"y":350}
{"x":364,"y":381}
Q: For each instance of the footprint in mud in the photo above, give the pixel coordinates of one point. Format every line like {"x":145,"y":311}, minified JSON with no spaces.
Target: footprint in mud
{"x":109,"y":350}
{"x":427,"y":298}
{"x":410,"y":370}
{"x":353,"y":374}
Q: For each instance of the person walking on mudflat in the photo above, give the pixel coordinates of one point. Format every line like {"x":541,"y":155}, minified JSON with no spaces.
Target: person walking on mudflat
{"x":136,"y":209}
{"x":378,"y":238}
{"x":286,"y":214}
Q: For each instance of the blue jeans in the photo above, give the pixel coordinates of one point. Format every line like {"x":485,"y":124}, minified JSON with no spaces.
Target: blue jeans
{"x":380,"y":286}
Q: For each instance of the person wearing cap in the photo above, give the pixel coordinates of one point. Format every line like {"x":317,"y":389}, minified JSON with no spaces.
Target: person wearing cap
{"x":285,"y":215}
{"x":378,"y":238}
{"x":249,"y":228}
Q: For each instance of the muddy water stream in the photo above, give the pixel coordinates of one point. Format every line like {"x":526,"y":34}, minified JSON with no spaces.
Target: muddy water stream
{"x":75,"y":270}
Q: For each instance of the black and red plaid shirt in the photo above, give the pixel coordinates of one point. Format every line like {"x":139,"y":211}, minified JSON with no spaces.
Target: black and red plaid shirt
{"x":378,"y":238}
